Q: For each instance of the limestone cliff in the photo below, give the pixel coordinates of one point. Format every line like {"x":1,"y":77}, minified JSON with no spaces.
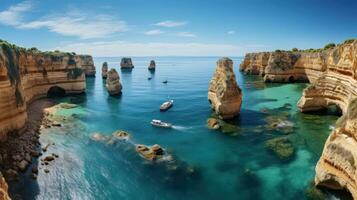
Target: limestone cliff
{"x":113,"y":85}
{"x":3,"y":189}
{"x":224,"y":94}
{"x":26,"y":75}
{"x":333,"y":77}
{"x":87,"y":64}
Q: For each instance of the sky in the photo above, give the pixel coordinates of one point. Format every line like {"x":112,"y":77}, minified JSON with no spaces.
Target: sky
{"x":176,"y":28}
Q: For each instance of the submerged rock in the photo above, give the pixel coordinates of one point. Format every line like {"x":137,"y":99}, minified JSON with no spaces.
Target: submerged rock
{"x":281,"y":146}
{"x":126,"y":63}
{"x":120,"y":134}
{"x":153,"y":153}
{"x":99,"y":137}
{"x":152,"y":65}
{"x":213,"y":123}
{"x":113,"y":85}
{"x":313,"y":193}
{"x":224,"y":94}
{"x":105,"y":70}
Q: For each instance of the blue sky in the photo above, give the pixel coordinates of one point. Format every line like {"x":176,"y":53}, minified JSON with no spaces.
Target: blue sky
{"x":182,"y":27}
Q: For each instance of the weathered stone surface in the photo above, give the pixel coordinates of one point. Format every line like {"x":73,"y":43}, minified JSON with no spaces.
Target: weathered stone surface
{"x":113,"y":85}
{"x":27,"y":75}
{"x":87,"y":64}
{"x":224,"y":94}
{"x":126,"y":63}
{"x":152,"y":153}
{"x":152,"y":65}
{"x":105,"y":70}
{"x":3,"y":189}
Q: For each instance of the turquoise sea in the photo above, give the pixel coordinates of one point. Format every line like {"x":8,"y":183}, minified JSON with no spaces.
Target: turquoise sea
{"x":210,"y":164}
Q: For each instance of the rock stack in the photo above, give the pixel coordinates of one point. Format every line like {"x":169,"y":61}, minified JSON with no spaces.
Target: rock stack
{"x":104,"y":70}
{"x":126,"y":63}
{"x":152,"y":65}
{"x":224,"y":94}
{"x":87,"y":64}
{"x":113,"y":82}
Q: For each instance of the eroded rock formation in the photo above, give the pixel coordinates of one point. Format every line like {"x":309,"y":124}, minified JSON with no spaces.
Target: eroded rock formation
{"x":26,"y":75}
{"x":3,"y":189}
{"x":113,"y":82}
{"x":333,"y":77}
{"x":87,"y":64}
{"x":152,"y":65}
{"x":126,"y":63}
{"x":224,"y":94}
{"x":105,"y":70}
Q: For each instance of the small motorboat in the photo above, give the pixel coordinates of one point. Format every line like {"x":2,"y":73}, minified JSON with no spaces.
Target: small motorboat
{"x":166,"y":105}
{"x":159,"y":123}
{"x":149,"y":78}
{"x":165,"y":82}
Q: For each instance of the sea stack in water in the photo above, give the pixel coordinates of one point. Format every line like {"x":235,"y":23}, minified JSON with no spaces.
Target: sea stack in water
{"x":152,"y":65}
{"x":113,"y":82}
{"x":126,"y":63}
{"x":224,"y":94}
{"x":87,"y":64}
{"x":105,"y":70}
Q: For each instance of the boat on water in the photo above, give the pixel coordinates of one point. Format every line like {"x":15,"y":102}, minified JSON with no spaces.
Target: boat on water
{"x":149,"y":78}
{"x":166,"y":105}
{"x":165,"y":82}
{"x":159,"y":123}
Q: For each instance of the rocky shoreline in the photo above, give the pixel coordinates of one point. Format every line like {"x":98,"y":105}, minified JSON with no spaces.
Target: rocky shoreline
{"x":23,"y":147}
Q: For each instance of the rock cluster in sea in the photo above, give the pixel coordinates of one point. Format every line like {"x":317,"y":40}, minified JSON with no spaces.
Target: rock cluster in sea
{"x":113,"y":84}
{"x":126,"y":63}
{"x":224,"y":94}
{"x":105,"y":70}
{"x":152,"y":65}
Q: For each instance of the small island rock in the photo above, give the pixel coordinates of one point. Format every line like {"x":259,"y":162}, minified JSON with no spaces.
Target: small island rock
{"x":113,"y":85}
{"x":224,"y":94}
{"x":152,"y":65}
{"x":126,"y":63}
{"x":105,"y":70}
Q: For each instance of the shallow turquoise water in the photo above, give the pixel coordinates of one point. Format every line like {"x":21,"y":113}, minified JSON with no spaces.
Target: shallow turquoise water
{"x":225,"y":166}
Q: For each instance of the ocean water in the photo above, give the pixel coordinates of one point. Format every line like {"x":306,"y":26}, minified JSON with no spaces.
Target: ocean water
{"x":210,"y":164}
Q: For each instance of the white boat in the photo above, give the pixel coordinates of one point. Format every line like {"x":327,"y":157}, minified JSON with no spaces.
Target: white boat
{"x":159,"y":123}
{"x":166,"y":105}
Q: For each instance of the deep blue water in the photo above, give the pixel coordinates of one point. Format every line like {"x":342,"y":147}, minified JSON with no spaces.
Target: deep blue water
{"x":211,"y":164}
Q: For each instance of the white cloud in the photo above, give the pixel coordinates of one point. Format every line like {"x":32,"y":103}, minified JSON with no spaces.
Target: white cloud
{"x":122,"y":48}
{"x":14,"y":14}
{"x":154,"y":32}
{"x":73,"y":23}
{"x":231,"y":32}
{"x":186,"y":34}
{"x":170,"y":24}
{"x":80,"y":25}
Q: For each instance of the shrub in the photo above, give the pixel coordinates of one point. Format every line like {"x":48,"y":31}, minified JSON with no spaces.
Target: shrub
{"x":329,"y":46}
{"x":349,"y":41}
{"x":74,"y":73}
{"x":294,"y":49}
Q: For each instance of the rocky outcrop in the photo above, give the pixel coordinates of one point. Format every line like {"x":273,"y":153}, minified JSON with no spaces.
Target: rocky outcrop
{"x":152,"y":65}
{"x":105,"y":70}
{"x":126,"y":63}
{"x":3,"y":189}
{"x":113,"y":82}
{"x":284,"y":66}
{"x":224,"y":94}
{"x":26,"y":75}
{"x":332,"y":74}
{"x":87,"y":64}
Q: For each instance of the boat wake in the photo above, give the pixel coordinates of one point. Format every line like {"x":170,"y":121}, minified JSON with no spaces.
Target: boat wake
{"x":181,"y":128}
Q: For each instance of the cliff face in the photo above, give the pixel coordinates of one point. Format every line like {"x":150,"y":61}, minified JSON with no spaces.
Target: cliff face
{"x":27,"y":75}
{"x":333,"y":77}
{"x":224,"y":94}
{"x":3,"y":189}
{"x":87,"y":64}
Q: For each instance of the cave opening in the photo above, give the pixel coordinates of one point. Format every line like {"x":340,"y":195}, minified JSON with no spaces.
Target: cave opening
{"x":291,"y":79}
{"x":56,"y":91}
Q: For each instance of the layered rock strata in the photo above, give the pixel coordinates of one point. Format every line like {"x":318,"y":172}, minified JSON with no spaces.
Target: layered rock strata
{"x":152,"y":65}
{"x":126,"y":63}
{"x":224,"y":94}
{"x":3,"y":189}
{"x":333,"y":77}
{"x":105,"y":70}
{"x":27,"y":75}
{"x":113,"y":85}
{"x":87,"y":64}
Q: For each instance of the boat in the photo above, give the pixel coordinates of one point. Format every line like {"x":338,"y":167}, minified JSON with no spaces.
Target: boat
{"x":166,"y":105}
{"x":149,"y":78}
{"x":165,"y":82}
{"x":159,"y":123}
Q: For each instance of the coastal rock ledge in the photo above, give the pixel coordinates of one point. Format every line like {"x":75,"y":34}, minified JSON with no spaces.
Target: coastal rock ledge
{"x":224,"y":94}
